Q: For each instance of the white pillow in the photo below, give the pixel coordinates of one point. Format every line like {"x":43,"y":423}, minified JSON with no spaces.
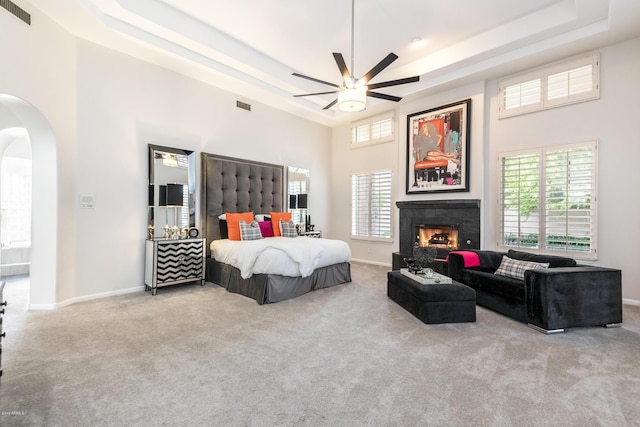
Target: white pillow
{"x":515,"y":268}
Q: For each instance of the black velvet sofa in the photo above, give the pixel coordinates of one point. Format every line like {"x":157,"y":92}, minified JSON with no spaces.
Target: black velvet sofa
{"x":564,"y":295}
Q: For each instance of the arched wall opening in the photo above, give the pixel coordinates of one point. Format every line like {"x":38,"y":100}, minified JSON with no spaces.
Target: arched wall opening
{"x":16,"y":113}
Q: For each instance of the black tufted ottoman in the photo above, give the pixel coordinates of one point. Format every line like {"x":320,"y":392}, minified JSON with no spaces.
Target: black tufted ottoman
{"x":437,"y":303}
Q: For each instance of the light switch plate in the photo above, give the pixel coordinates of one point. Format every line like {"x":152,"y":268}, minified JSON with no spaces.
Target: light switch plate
{"x":87,"y":201}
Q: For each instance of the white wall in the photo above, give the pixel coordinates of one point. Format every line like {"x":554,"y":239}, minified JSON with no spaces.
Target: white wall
{"x":125,"y":104}
{"x":393,"y":156}
{"x":613,"y":121}
{"x":104,"y":108}
{"x":38,"y":67}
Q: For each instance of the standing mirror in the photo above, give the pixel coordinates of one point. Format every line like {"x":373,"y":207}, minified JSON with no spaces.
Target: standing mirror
{"x":298,"y":195}
{"x":171,"y":192}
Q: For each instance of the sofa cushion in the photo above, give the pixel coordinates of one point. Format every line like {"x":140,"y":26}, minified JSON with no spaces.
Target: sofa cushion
{"x":486,"y":282}
{"x":515,"y":268}
{"x":553,"y":260}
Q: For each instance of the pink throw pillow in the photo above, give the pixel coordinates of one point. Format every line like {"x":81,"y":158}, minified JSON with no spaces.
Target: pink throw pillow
{"x":265,"y":228}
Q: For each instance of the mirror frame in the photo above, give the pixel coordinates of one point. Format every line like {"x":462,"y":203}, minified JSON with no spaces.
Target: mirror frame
{"x":191,"y":179}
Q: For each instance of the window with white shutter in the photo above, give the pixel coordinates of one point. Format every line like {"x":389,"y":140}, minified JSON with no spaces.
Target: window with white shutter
{"x":371,"y":205}
{"x":548,"y":200}
{"x":374,"y":130}
{"x":554,"y":85}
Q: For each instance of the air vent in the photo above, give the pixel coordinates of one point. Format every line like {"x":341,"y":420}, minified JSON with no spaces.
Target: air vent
{"x":16,"y":10}
{"x":243,"y":105}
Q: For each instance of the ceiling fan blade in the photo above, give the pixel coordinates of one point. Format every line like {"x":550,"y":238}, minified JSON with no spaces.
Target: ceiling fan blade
{"x":379,"y":67}
{"x":316,"y":80}
{"x":330,"y":105}
{"x":394,"y":82}
{"x":317,"y":93}
{"x":346,"y":75}
{"x":383,"y":96}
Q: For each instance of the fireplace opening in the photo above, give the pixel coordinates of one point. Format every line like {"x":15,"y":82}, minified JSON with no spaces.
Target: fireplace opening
{"x":442,"y":237}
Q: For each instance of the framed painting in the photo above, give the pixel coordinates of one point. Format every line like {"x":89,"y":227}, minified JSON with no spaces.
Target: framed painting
{"x":438,"y":149}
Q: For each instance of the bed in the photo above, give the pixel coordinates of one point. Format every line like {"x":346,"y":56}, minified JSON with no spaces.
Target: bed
{"x":237,"y":185}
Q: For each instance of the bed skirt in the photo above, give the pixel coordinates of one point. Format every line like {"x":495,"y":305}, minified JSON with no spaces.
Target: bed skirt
{"x":270,"y":288}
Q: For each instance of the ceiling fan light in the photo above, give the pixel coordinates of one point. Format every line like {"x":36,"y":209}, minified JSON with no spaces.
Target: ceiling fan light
{"x":352,"y":100}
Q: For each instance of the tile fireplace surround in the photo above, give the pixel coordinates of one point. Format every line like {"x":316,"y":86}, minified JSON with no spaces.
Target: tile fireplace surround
{"x":462,"y":213}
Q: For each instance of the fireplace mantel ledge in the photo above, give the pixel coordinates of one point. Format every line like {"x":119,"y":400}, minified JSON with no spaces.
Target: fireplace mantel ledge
{"x":439,"y":204}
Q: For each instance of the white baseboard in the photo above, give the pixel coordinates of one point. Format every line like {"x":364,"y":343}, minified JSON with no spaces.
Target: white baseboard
{"x":36,"y":307}
{"x":42,"y":307}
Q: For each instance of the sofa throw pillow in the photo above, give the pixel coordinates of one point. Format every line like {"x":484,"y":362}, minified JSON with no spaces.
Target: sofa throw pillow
{"x":288,"y":228}
{"x":250,"y":231}
{"x":515,"y":269}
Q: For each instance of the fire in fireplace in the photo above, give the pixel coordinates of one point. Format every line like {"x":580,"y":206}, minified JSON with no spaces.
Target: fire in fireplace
{"x":437,"y":236}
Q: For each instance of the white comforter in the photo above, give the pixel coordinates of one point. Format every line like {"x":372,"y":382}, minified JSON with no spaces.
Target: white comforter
{"x":280,"y":255}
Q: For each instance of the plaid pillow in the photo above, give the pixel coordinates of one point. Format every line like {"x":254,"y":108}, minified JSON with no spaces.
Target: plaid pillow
{"x":250,"y":231}
{"x":515,"y":268}
{"x":288,"y":229}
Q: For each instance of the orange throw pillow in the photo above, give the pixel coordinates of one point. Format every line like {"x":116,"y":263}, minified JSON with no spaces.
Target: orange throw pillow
{"x":275,"y":221}
{"x":233,"y":223}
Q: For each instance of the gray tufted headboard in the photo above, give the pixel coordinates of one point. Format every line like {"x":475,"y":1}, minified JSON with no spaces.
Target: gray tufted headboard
{"x":237,"y":185}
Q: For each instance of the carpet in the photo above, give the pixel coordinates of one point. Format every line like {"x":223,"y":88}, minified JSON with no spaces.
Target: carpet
{"x":342,"y":356}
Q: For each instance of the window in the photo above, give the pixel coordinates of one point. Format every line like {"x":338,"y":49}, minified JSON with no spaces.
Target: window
{"x":16,"y":202}
{"x":550,"y":192}
{"x":373,"y":130}
{"x":371,"y":205}
{"x":559,"y":84}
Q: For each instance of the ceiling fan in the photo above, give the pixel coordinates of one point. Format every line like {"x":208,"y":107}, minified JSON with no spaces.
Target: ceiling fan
{"x":353,"y":92}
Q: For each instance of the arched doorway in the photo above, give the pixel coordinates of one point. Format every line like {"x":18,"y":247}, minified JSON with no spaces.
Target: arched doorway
{"x":16,"y":113}
{"x":15,"y":214}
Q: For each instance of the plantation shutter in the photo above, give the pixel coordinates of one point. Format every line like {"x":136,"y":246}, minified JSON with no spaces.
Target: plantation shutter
{"x":360,"y":134}
{"x":520,"y":200}
{"x":548,"y":199}
{"x":373,"y":130}
{"x":381,"y":205}
{"x":381,"y":129}
{"x":573,"y":85}
{"x":520,"y":95}
{"x":371,"y":205}
{"x":569,"y":199}
{"x":563,"y":83}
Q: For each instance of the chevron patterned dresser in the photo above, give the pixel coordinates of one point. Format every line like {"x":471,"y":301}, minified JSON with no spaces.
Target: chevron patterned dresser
{"x":169,"y":262}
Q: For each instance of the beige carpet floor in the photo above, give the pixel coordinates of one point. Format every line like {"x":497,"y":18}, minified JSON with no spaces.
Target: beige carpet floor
{"x":343,"y":356}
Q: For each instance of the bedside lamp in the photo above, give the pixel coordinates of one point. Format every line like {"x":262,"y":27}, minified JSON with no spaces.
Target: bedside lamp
{"x":302,"y":205}
{"x":175,"y":199}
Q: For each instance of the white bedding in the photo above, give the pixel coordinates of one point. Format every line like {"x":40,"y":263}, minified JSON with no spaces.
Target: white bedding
{"x":280,"y":255}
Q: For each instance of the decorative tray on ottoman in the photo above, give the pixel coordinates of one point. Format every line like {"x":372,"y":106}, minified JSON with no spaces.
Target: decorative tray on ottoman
{"x":427,"y":279}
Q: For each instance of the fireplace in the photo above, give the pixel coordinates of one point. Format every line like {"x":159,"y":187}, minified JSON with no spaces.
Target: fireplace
{"x":443,"y":238}
{"x":443,"y":224}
